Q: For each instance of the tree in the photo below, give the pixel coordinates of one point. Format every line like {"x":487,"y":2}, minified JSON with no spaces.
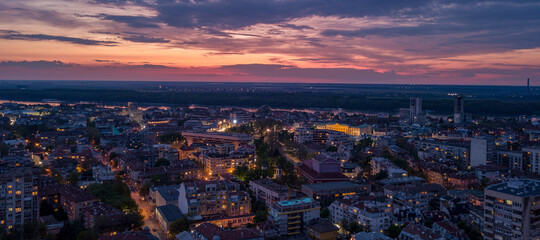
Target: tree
{"x":145,"y":189}
{"x":162,"y":162}
{"x":87,"y":235}
{"x":381,"y":175}
{"x":73,"y":178}
{"x":325,"y":213}
{"x":116,"y":194}
{"x":179,"y":226}
{"x":354,"y":227}
{"x":171,"y":138}
{"x":241,"y":172}
{"x":394,"y":231}
{"x":332,"y":149}
{"x":260,"y":216}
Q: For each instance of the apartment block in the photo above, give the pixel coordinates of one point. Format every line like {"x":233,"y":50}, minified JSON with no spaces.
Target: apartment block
{"x":218,"y":202}
{"x":19,"y":202}
{"x":291,"y":216}
{"x":512,"y":210}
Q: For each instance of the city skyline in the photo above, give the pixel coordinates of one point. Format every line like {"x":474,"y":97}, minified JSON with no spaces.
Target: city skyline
{"x":395,"y":42}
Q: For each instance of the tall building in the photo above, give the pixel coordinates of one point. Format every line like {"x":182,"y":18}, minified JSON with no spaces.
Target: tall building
{"x":532,"y":158}
{"x":459,"y":110}
{"x":482,"y":151}
{"x":19,"y":202}
{"x":416,"y":114}
{"x":512,"y":210}
{"x":291,"y":216}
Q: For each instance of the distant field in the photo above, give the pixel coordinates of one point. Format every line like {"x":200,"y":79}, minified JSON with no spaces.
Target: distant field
{"x":360,"y":102}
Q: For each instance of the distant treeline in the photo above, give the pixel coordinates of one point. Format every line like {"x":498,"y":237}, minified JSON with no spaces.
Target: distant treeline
{"x":502,"y":107}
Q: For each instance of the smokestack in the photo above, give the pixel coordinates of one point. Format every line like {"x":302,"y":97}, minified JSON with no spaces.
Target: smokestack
{"x":528,"y":86}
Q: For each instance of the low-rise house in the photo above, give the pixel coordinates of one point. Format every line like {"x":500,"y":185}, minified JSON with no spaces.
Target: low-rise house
{"x":326,"y":193}
{"x":419,"y":232}
{"x":320,"y":229}
{"x":269,"y":191}
{"x":102,"y":216}
{"x":414,"y":196}
{"x":449,"y":230}
{"x":73,"y":200}
{"x":207,"y":231}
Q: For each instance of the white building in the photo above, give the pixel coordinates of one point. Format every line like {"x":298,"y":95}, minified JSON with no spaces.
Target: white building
{"x":375,"y":215}
{"x":532,"y":155}
{"x":379,"y":164}
{"x":482,"y":151}
{"x":102,"y":173}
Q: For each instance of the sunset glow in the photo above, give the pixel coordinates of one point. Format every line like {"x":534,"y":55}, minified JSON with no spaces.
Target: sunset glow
{"x":410,"y":42}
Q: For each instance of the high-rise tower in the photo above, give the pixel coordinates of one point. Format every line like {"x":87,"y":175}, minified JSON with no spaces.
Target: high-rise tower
{"x":459,"y":110}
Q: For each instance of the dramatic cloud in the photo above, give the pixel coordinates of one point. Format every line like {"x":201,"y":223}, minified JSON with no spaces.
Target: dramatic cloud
{"x":36,"y":64}
{"x":132,"y":21}
{"x":145,"y":39}
{"x":363,"y":41}
{"x":13,"y":35}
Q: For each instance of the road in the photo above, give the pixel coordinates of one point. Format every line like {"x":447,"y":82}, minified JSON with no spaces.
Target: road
{"x":150,"y":220}
{"x":281,"y":150}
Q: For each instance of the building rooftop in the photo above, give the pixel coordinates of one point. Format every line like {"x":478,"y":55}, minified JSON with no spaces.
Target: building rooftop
{"x":518,"y":187}
{"x":322,"y":226}
{"x":270,"y":185}
{"x":169,"y":193}
{"x":295,"y":205}
{"x":330,"y":185}
{"x":170,"y":213}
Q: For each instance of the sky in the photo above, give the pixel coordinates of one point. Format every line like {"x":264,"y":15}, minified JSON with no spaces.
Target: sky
{"x":317,"y":41}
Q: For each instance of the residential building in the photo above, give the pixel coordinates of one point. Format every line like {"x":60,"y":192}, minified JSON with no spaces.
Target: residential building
{"x":102,"y":174}
{"x":291,"y":216}
{"x":73,"y":200}
{"x":19,"y":202}
{"x":452,"y":150}
{"x":449,"y":230}
{"x":218,"y":202}
{"x":532,"y":157}
{"x":512,"y":210}
{"x":236,"y":139}
{"x":269,"y":191}
{"x":491,"y":173}
{"x":482,"y":151}
{"x":165,"y":195}
{"x":219,"y":164}
{"x":379,"y":164}
{"x":511,"y":159}
{"x":320,"y":229}
{"x":419,"y":232}
{"x":370,"y":236}
{"x":373,"y":214}
{"x":207,"y":231}
{"x":414,"y":196}
{"x":102,"y":216}
{"x":166,"y":215}
{"x":326,"y":193}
